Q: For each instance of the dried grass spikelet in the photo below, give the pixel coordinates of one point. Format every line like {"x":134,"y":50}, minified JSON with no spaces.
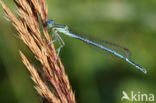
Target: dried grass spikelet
{"x":27,"y":26}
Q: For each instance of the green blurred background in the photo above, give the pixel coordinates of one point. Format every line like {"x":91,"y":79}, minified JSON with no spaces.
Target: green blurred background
{"x":95,"y":77}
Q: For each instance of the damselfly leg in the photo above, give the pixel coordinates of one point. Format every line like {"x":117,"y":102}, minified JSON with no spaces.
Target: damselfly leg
{"x":56,"y":37}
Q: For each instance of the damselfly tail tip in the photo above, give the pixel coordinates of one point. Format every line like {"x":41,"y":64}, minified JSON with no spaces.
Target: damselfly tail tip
{"x":141,"y":68}
{"x":137,"y":66}
{"x":144,"y":70}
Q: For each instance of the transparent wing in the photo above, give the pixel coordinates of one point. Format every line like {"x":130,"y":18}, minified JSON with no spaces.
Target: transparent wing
{"x":115,"y":47}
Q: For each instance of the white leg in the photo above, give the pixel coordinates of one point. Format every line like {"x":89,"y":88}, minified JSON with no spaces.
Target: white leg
{"x":54,"y":33}
{"x":51,"y":42}
{"x":61,"y":43}
{"x":59,"y":39}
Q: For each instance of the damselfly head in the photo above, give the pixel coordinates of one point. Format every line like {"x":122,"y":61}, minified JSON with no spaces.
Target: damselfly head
{"x":50,"y":23}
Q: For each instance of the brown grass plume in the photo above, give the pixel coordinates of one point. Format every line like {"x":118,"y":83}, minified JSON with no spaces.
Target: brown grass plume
{"x":27,"y":26}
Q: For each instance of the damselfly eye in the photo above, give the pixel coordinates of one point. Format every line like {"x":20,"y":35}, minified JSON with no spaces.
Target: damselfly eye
{"x":50,"y":23}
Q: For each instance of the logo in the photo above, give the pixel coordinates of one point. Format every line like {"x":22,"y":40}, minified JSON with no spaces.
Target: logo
{"x":137,"y":96}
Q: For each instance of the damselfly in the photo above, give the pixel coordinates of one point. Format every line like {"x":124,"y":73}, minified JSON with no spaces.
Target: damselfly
{"x":64,"y":30}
